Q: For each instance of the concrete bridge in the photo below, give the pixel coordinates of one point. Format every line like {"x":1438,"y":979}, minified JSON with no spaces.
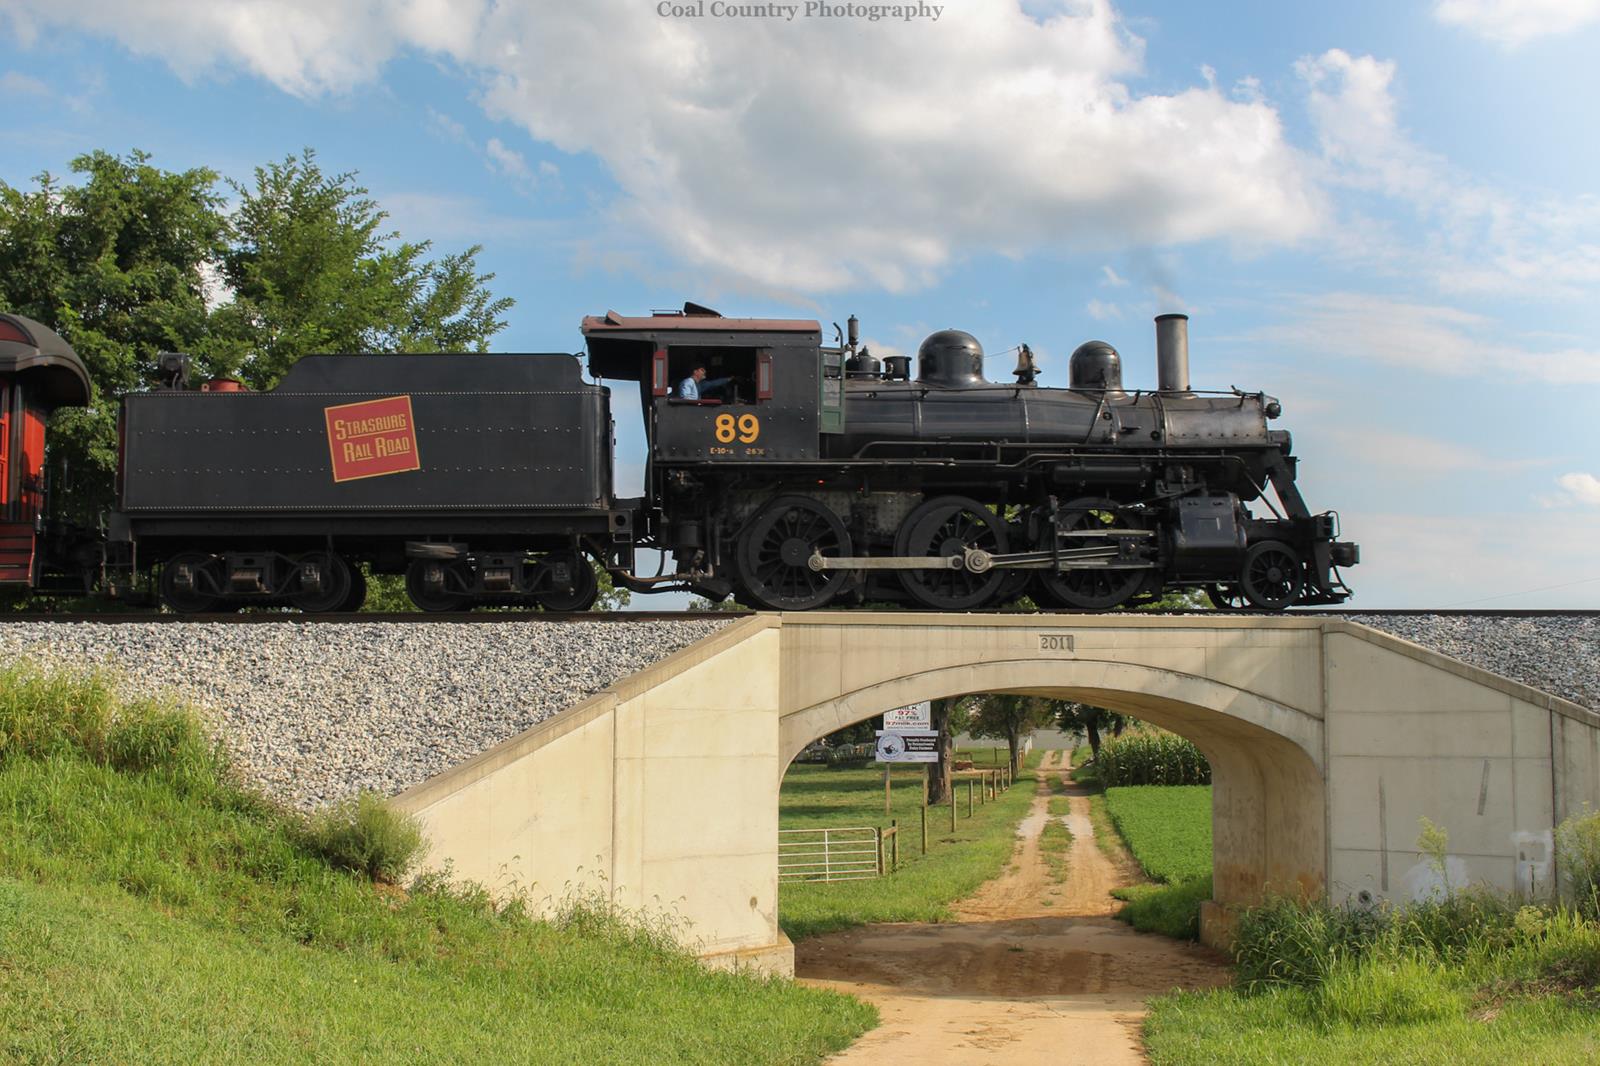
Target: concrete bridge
{"x":1328,"y":742}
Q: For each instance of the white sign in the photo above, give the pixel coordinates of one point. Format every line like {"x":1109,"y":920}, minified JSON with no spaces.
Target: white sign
{"x":908,"y":745}
{"x":916,"y":716}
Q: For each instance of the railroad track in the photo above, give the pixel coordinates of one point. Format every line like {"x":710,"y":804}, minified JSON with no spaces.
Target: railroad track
{"x":492,"y":617}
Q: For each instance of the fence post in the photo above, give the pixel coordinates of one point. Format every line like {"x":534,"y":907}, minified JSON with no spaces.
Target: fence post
{"x":969,"y":797}
{"x":895,"y":845}
{"x":952,"y":806}
{"x":878,"y":832}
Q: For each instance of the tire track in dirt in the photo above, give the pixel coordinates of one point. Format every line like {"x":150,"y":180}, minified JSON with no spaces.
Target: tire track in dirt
{"x":1013,"y":979}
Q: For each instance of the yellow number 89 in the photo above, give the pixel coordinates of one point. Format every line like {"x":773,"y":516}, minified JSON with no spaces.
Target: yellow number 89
{"x":747,"y":428}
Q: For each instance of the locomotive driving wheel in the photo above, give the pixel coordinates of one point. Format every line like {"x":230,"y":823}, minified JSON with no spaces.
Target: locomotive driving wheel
{"x":333,"y":586}
{"x":1272,"y":576}
{"x":1090,"y":589}
{"x":949,"y":526}
{"x":774,"y":553}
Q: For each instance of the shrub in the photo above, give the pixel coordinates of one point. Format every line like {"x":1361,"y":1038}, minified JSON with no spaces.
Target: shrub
{"x":1289,"y":942}
{"x":1151,"y":758}
{"x":1578,"y":858}
{"x":79,"y":715}
{"x":364,"y":834}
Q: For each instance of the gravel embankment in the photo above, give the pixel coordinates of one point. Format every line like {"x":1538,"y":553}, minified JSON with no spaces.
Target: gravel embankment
{"x":1556,"y":653}
{"x":314,"y":713}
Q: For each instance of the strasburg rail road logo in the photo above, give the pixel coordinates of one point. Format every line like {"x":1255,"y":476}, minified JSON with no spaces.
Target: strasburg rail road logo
{"x":372,"y":438}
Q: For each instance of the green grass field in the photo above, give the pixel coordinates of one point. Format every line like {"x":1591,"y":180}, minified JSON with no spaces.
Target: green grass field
{"x":925,"y":885}
{"x":1166,"y":827}
{"x":151,"y":912}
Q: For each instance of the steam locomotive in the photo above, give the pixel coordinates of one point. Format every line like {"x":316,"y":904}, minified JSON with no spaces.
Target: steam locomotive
{"x":802,"y":475}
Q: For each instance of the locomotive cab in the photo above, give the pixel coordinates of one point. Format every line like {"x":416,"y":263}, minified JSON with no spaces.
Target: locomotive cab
{"x":39,"y":372}
{"x":765,"y":396}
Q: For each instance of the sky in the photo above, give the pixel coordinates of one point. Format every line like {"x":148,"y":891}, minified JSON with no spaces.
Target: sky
{"x":1384,"y":214}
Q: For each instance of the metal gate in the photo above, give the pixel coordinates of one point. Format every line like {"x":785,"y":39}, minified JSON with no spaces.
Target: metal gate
{"x":849,"y":854}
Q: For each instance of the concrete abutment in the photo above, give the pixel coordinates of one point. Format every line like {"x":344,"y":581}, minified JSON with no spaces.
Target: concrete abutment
{"x":1328,"y":742}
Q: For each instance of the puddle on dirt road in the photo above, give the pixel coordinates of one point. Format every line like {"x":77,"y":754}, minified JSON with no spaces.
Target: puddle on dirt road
{"x":1013,"y":980}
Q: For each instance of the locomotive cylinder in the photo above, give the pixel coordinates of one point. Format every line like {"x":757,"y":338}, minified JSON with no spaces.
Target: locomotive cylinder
{"x":1172,"y":353}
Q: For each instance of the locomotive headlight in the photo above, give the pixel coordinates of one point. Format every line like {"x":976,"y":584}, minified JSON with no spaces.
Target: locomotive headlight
{"x":1273,"y":408}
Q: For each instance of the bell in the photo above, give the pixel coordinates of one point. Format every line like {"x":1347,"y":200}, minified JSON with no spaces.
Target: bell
{"x":1027,"y":370}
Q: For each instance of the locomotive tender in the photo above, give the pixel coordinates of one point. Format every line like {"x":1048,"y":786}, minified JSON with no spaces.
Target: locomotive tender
{"x":814,"y":475}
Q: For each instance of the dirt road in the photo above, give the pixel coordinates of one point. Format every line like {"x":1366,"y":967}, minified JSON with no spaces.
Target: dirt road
{"x":1015,"y":979}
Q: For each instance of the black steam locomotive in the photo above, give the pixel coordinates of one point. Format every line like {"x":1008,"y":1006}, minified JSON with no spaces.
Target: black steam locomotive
{"x":799,"y":475}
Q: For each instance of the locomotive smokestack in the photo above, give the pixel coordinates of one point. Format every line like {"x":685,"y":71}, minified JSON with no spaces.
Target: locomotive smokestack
{"x":1172,"y":353}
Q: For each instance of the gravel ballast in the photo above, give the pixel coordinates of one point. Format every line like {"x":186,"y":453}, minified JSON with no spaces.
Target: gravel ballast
{"x":317,"y":712}
{"x":1559,"y":654}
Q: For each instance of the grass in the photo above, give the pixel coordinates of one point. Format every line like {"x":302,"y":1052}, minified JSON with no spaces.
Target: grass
{"x":1469,"y":980}
{"x":153,"y":911}
{"x":1167,"y":828}
{"x":923,"y":888}
{"x":1055,"y":840}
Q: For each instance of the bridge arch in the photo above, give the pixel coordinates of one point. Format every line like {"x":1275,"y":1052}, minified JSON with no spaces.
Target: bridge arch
{"x":1268,"y":811}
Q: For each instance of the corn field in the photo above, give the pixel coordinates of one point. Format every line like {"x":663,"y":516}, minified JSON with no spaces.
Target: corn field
{"x":1151,"y":758}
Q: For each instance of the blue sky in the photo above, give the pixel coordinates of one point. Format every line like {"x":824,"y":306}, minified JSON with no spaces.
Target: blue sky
{"x":1386,"y":215}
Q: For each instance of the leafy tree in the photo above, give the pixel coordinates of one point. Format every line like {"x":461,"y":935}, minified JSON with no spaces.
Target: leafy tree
{"x":1073,"y":717}
{"x":1008,"y":717}
{"x":115,"y":265}
{"x":134,"y":260}
{"x":311,"y":269}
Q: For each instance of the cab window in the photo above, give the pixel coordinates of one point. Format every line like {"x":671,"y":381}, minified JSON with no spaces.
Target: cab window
{"x":734,"y":376}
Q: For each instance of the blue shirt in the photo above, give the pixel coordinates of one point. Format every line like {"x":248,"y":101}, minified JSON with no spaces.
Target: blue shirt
{"x":689,"y":388}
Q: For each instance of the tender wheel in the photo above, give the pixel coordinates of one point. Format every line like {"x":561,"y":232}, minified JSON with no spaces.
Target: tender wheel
{"x":1272,"y":576}
{"x":335,"y":586}
{"x":357,"y":597}
{"x":949,"y":526}
{"x":1089,"y":589}
{"x":1226,"y":597}
{"x":427,"y":585}
{"x":585,"y":584}
{"x":190,"y":583}
{"x":775,"y":549}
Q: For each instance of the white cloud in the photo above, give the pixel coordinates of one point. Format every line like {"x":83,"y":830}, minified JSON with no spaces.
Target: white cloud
{"x":1390,"y":451}
{"x":16,"y":83}
{"x":1435,"y":560}
{"x":1514,"y":22}
{"x":1100,"y":310}
{"x":1581,"y":488}
{"x":1433,"y":338}
{"x":1112,"y":277}
{"x":850,"y":154}
{"x":1474,"y":238}
{"x":507,"y":161}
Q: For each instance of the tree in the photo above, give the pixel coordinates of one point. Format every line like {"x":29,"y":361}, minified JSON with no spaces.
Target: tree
{"x":116,"y":266}
{"x":1008,"y":717}
{"x":310,"y":269}
{"x":1073,"y":717}
{"x":948,"y":717}
{"x":135,"y":260}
